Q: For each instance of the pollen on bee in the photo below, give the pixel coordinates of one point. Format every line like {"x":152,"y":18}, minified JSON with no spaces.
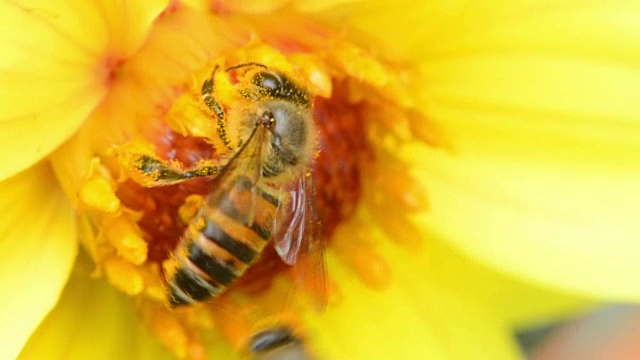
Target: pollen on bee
{"x":162,"y":222}
{"x":98,"y":193}
{"x":191,"y":205}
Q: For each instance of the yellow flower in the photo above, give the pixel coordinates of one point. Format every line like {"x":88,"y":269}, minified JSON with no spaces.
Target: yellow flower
{"x":455,"y":99}
{"x":540,"y":101}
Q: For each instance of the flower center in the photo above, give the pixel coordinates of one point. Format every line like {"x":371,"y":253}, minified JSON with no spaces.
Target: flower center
{"x":362,"y":111}
{"x":160,"y":221}
{"x":336,"y":173}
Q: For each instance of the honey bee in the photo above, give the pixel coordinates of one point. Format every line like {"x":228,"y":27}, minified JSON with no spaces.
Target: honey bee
{"x":278,"y":343}
{"x":263,"y":193}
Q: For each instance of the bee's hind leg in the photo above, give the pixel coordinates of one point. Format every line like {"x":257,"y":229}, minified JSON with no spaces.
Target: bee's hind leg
{"x":150,"y":171}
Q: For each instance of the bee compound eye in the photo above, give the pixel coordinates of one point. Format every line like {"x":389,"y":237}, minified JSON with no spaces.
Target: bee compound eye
{"x":267,"y":80}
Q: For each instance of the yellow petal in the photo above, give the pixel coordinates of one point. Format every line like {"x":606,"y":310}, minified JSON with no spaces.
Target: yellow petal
{"x":516,"y":302}
{"x":38,"y":245}
{"x":571,"y":228}
{"x":179,"y":45}
{"x":543,"y":116}
{"x":562,"y":95}
{"x":418,"y":316}
{"x":437,"y":29}
{"x":58,"y":62}
{"x":414,"y":318}
{"x":539,"y":100}
{"x":94,"y":321}
{"x":314,"y":5}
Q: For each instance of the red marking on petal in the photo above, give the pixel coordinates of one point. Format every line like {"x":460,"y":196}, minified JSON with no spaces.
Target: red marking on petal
{"x":172,"y":7}
{"x":109,"y":69}
{"x":219,"y":7}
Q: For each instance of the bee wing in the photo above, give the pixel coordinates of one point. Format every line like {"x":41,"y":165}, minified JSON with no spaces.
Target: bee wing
{"x":241,"y":173}
{"x":299,"y":241}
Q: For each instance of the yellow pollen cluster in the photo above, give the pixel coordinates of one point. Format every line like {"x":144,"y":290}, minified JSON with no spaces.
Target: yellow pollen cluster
{"x":127,"y":240}
{"x":123,"y":275}
{"x":98,"y":193}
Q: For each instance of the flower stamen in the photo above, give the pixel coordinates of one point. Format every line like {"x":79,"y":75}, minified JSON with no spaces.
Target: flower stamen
{"x":123,"y":275}
{"x":354,"y":246}
{"x":127,"y":240}
{"x":99,"y":194}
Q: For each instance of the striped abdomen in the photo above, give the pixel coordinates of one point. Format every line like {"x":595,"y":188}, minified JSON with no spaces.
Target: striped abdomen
{"x":222,"y":241}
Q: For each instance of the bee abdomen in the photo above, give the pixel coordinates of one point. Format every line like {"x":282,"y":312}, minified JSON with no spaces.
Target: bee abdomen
{"x":187,"y":287}
{"x":217,"y":248}
{"x":235,"y":247}
{"x":220,"y":271}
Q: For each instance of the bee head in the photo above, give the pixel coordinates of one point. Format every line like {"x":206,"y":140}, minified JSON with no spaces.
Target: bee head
{"x":282,"y":107}
{"x":271,"y":84}
{"x":288,"y":126}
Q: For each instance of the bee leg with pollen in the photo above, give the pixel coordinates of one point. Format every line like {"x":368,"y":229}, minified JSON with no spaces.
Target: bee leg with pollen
{"x":150,"y":171}
{"x":208,"y":99}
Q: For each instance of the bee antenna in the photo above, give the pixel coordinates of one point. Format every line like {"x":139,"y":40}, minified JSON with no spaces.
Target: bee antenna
{"x":246,"y":65}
